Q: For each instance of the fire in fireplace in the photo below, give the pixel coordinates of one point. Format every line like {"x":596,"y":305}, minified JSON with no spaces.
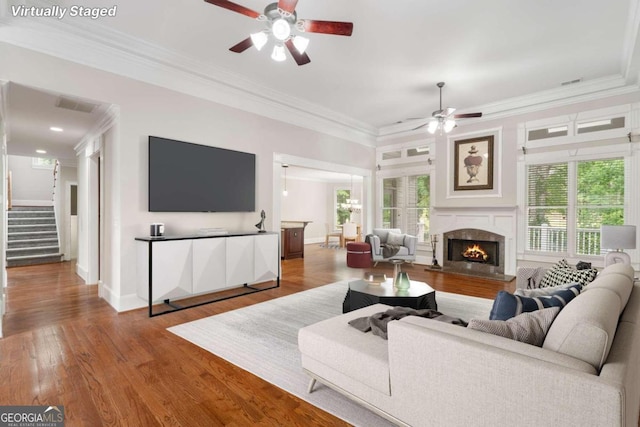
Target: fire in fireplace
{"x":475,"y":253}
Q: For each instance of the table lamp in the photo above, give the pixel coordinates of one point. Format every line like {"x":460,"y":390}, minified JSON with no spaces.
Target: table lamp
{"x":617,"y":237}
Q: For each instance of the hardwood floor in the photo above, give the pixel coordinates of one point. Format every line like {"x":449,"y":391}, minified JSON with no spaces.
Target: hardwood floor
{"x":63,"y":345}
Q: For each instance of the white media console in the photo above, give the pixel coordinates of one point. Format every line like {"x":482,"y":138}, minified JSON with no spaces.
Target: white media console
{"x":177,"y":267}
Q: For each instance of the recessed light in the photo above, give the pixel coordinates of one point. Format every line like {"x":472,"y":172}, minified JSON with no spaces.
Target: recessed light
{"x":56,"y":129}
{"x":41,"y":151}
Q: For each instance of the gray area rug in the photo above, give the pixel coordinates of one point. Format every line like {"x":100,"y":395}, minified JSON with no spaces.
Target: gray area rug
{"x":263,"y":339}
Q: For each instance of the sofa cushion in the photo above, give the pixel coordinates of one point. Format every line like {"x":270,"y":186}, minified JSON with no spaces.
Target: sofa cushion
{"x":384,"y":232}
{"x":530,"y":328}
{"x":562,"y":273}
{"x":618,"y":268}
{"x":361,"y":357}
{"x":585,"y":328}
{"x":395,"y":239}
{"x":615,"y":282}
{"x":507,"y":305}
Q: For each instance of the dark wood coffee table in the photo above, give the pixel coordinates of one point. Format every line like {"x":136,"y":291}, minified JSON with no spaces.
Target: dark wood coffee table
{"x":362,"y":294}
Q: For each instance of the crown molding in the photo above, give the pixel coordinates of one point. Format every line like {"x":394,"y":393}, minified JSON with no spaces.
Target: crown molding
{"x":105,"y":122}
{"x":100,"y":47}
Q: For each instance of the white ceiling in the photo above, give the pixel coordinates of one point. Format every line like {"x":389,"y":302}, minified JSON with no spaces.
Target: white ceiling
{"x":494,"y":55}
{"x":32,"y":112}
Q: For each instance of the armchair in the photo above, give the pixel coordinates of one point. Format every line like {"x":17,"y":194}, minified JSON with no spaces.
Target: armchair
{"x":383,"y":239}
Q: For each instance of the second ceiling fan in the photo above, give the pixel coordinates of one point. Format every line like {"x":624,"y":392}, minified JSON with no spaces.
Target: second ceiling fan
{"x":443,"y":119}
{"x":281,"y":19}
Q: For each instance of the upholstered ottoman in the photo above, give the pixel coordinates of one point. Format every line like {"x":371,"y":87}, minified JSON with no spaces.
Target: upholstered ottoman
{"x":358,"y":255}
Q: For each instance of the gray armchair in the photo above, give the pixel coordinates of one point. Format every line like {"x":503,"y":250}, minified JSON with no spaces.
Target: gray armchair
{"x":384,"y":241}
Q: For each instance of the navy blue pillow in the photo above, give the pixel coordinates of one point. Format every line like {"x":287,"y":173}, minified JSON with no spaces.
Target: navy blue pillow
{"x":507,"y":305}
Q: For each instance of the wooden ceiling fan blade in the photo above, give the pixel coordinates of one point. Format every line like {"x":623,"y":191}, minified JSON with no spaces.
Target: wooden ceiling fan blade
{"x":242,"y":46}
{"x":300,"y":58}
{"x":234,"y":7}
{"x":467,"y":115}
{"x":327,"y":27}
{"x":288,"y":5}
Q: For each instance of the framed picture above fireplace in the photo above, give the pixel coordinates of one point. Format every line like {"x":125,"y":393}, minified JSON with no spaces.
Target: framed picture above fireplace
{"x":473,"y":164}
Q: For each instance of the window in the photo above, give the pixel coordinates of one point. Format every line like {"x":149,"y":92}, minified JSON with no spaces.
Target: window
{"x":42,"y":163}
{"x":405,"y":205}
{"x":568,"y":202}
{"x":342,"y":215}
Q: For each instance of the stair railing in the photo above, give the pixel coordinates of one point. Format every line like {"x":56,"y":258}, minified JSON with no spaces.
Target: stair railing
{"x":55,"y":179}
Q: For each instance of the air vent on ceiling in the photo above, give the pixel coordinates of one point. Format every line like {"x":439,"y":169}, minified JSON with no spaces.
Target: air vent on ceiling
{"x":571,"y":82}
{"x":75,"y":104}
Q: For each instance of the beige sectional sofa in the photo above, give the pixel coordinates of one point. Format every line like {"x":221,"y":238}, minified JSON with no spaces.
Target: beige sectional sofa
{"x":431,"y":373}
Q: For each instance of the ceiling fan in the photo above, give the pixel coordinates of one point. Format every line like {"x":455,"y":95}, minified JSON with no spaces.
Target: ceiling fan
{"x":281,"y":19}
{"x":444,"y":119}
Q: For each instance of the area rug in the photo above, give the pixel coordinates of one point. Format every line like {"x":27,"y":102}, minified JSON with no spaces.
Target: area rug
{"x":263,"y":339}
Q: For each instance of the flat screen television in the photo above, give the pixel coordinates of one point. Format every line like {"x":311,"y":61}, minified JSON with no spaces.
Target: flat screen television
{"x":186,"y":177}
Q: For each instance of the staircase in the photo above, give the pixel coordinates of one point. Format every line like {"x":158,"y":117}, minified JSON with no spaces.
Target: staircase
{"x":32,"y":236}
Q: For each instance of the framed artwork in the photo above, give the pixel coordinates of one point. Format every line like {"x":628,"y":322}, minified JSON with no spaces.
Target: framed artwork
{"x":473,"y":164}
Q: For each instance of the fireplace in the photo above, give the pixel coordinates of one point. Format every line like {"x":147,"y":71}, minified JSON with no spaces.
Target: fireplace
{"x":475,"y":252}
{"x":482,"y":251}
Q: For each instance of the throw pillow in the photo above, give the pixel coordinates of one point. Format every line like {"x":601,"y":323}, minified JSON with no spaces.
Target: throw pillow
{"x":530,"y":328}
{"x":560,"y":275}
{"x":395,"y":239}
{"x":582,"y":265}
{"x":550,"y":278}
{"x":506,"y":305}
{"x":539,"y":292}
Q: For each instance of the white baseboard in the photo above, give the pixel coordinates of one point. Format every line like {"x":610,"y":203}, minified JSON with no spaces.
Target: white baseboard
{"x":16,"y":202}
{"x":82,"y":272}
{"x":120,"y":303}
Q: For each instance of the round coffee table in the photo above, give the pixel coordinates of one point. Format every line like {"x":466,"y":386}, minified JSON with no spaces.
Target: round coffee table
{"x":362,"y":294}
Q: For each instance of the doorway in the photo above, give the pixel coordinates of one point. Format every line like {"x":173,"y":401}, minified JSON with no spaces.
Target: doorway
{"x":312,"y":187}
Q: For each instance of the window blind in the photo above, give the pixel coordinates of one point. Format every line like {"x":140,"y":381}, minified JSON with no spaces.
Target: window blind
{"x":547,"y":207}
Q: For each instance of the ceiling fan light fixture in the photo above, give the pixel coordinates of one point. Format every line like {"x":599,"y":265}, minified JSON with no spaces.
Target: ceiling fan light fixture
{"x":300,"y":43}
{"x":433,"y":126}
{"x":281,"y":29}
{"x":449,"y":124}
{"x":259,"y":39}
{"x":278,"y":53}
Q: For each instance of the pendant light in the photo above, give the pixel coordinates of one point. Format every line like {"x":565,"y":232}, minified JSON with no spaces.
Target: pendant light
{"x":285,"y":192}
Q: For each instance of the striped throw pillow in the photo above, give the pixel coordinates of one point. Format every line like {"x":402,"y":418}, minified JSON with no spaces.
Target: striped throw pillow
{"x":507,"y":305}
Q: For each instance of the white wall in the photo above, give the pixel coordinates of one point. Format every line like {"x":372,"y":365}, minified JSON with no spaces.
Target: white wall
{"x":307,"y":201}
{"x":30,"y":186}
{"x":150,"y":110}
